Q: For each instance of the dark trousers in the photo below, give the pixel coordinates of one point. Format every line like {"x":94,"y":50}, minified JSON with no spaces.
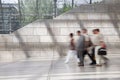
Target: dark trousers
{"x":91,"y":56}
{"x":81,"y":56}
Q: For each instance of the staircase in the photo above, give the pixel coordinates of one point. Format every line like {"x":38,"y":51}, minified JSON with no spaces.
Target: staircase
{"x":48,"y":39}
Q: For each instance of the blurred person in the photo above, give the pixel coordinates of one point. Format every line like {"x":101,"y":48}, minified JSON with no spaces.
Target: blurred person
{"x":88,"y":44}
{"x":98,"y":42}
{"x":72,"y":52}
{"x":80,"y":46}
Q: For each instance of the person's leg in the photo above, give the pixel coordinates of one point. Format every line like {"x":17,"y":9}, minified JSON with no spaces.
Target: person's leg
{"x":84,"y":54}
{"x":78,"y":60}
{"x":76,"y":57}
{"x":68,"y":56}
{"x":98,"y":57}
{"x":93,"y":53}
{"x":92,"y":56}
{"x":81,"y":58}
{"x":105,"y":59}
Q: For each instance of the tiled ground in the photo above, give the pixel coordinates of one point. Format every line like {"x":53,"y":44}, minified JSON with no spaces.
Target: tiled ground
{"x":36,"y":69}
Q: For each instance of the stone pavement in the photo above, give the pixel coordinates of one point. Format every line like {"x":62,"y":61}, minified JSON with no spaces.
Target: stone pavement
{"x":56,"y":69}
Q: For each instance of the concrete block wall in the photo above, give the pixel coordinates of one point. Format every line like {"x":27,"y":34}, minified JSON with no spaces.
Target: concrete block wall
{"x":111,"y":1}
{"x":49,"y":38}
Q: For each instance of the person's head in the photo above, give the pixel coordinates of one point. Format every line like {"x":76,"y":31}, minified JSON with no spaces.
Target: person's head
{"x":78,"y":33}
{"x":96,"y":31}
{"x":84,"y":31}
{"x":71,"y":35}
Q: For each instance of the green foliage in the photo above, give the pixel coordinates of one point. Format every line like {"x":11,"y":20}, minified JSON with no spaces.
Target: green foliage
{"x":32,"y":10}
{"x":66,"y":7}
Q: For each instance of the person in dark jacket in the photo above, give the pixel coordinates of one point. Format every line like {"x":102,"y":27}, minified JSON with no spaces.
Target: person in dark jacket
{"x":80,"y":47}
{"x":88,"y":44}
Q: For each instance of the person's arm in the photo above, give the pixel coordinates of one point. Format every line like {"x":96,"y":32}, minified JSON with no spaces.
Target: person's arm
{"x":73,"y":44}
{"x":102,"y":43}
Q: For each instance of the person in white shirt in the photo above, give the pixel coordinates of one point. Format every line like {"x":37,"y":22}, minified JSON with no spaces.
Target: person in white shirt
{"x":98,"y":42}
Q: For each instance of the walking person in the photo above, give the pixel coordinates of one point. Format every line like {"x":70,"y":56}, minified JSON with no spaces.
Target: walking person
{"x":72,"y":52}
{"x":80,"y":46}
{"x":88,"y":44}
{"x":98,"y":42}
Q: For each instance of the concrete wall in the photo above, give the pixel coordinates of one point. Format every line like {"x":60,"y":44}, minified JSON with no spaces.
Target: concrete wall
{"x":48,"y":38}
{"x":112,"y":1}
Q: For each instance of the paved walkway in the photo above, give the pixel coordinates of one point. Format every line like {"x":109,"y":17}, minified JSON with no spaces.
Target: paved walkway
{"x":37,"y":69}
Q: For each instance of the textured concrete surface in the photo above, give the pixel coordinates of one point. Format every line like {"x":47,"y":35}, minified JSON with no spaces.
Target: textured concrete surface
{"x":111,"y":1}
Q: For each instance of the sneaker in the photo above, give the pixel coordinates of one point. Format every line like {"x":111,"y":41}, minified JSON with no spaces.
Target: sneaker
{"x":80,"y":64}
{"x":92,"y":63}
